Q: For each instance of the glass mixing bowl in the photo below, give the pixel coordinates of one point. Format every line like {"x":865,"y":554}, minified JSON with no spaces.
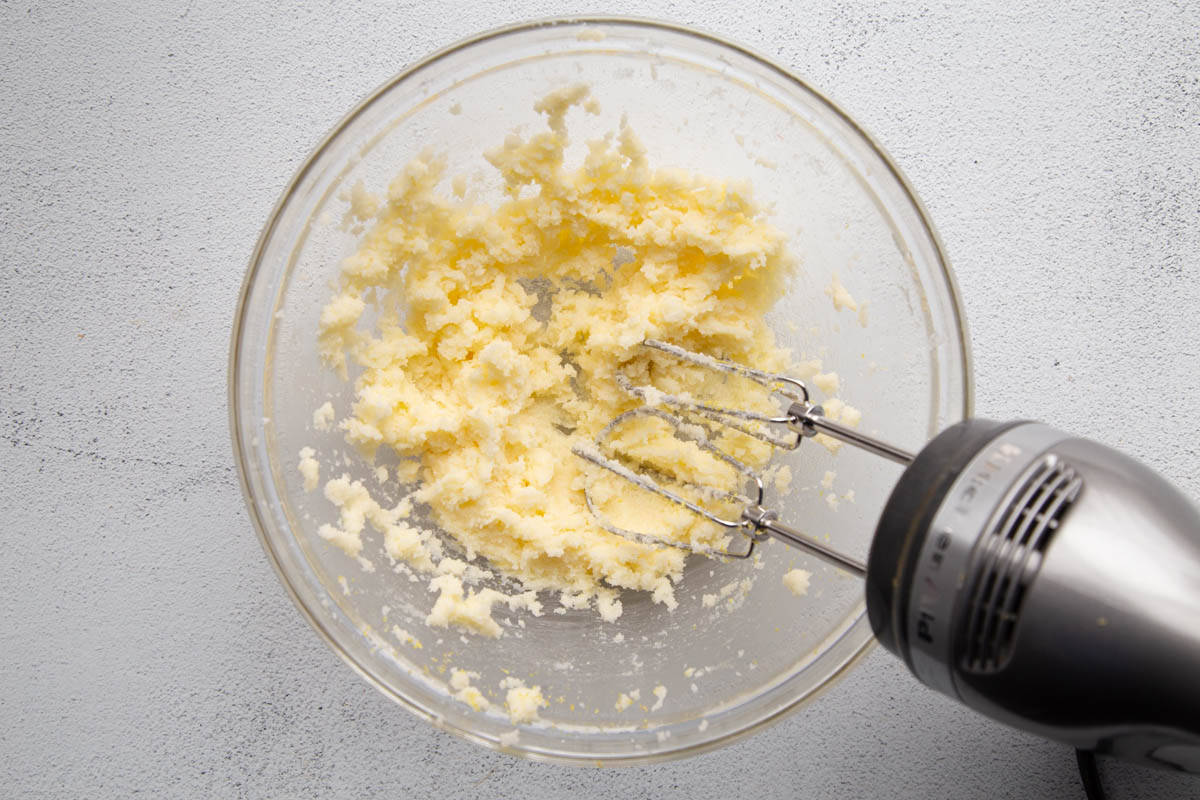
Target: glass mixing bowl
{"x":707,"y":106}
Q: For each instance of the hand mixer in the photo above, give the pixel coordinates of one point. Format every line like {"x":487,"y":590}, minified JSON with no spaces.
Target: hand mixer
{"x":1045,"y":580}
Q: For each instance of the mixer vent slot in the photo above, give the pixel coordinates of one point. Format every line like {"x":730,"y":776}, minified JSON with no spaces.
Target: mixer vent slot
{"x":1008,"y":558}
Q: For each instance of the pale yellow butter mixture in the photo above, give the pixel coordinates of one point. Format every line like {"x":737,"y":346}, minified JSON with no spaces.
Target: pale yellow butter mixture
{"x":497,"y":334}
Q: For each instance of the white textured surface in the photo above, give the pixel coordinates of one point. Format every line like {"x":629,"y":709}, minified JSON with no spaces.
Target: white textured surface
{"x":146,"y":646}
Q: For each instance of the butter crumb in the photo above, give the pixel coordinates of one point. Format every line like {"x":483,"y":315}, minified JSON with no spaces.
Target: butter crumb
{"x":840,"y":295}
{"x":406,"y":638}
{"x":556,"y":103}
{"x":608,"y":605}
{"x":780,"y":476}
{"x":349,"y":543}
{"x":472,"y":610}
{"x":827,"y":382}
{"x":407,"y":471}
{"x":797,"y":581}
{"x":661,"y":693}
{"x":323,"y":417}
{"x":460,"y":682}
{"x":363,"y":204}
{"x":523,"y":703}
{"x":838,"y":411}
{"x":461,"y":679}
{"x":744,"y":586}
{"x":309,"y":468}
{"x":782,"y":481}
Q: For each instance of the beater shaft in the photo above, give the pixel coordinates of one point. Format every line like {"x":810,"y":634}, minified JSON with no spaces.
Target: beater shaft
{"x":810,"y":420}
{"x":765,"y":521}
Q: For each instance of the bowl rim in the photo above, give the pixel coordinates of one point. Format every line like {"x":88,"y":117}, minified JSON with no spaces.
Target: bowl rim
{"x":252,"y":271}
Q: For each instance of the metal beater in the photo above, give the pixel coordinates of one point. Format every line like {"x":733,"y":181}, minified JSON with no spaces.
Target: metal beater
{"x":801,"y":420}
{"x":1045,"y":580}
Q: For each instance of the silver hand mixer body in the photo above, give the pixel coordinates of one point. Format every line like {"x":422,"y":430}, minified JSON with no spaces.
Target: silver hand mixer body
{"x":1047,"y":581}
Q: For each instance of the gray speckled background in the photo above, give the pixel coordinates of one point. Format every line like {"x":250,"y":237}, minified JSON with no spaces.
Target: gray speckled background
{"x":146,"y":646}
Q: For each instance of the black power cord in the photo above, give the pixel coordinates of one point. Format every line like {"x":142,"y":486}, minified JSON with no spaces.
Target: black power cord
{"x":1089,"y":774}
